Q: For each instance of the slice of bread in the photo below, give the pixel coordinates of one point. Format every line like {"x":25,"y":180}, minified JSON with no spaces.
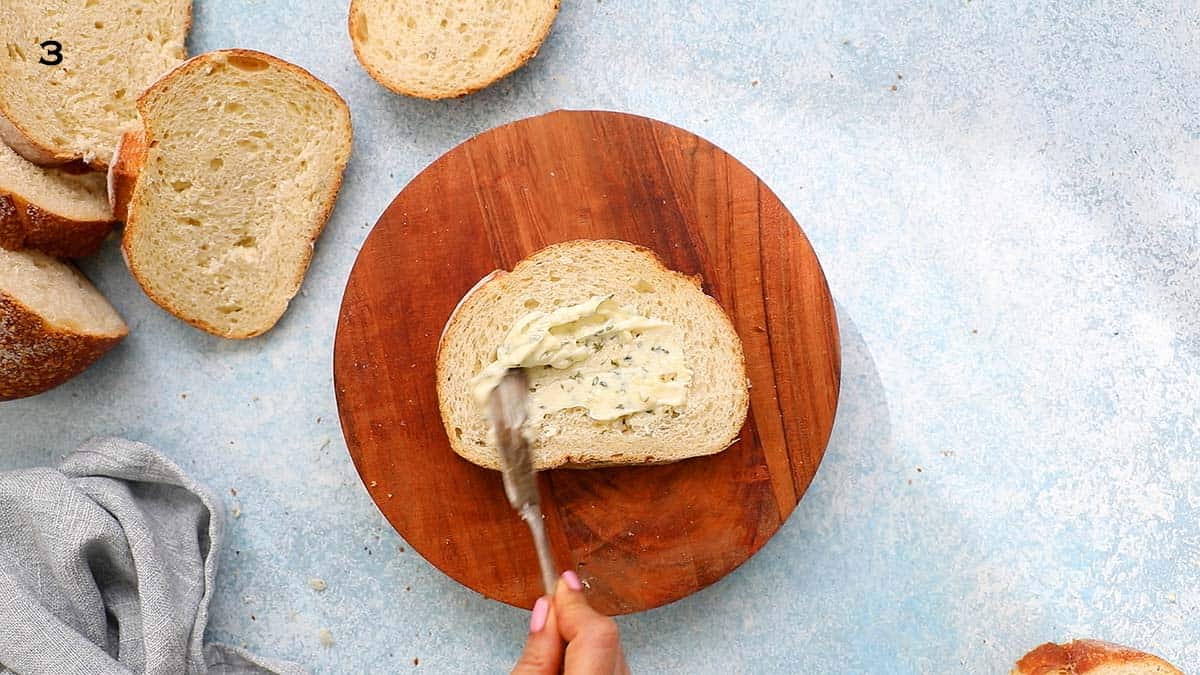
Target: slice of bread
{"x":54,"y":211}
{"x":1092,"y":657}
{"x":231,"y":181}
{"x":567,"y":274}
{"x":71,"y":71}
{"x":446,"y":48}
{"x":53,"y":323}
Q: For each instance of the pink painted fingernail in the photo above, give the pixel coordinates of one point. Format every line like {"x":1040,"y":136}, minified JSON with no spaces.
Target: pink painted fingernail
{"x":572,"y":580}
{"x":541,"y":610}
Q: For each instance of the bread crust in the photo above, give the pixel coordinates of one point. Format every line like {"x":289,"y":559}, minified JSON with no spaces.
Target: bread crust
{"x":488,"y":459}
{"x":1082,"y":656}
{"x":15,"y":137}
{"x":123,"y":171}
{"x":487,"y":278}
{"x":397,"y":87}
{"x":36,"y":357}
{"x":132,"y":155}
{"x":27,"y":225}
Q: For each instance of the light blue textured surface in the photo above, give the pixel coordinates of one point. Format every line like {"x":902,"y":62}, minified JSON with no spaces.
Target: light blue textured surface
{"x":1006,"y":200}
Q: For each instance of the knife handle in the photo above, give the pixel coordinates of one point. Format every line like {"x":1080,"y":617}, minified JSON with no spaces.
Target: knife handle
{"x":532,"y":514}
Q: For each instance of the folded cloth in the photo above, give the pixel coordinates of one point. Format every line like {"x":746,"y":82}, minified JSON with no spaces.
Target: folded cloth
{"x":107,"y":565}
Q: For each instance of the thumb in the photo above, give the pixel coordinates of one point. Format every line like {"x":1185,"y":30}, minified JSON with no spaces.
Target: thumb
{"x":593,"y":639}
{"x":544,"y":649}
{"x":575,"y":617}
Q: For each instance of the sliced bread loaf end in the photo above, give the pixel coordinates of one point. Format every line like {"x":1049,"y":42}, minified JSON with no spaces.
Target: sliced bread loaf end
{"x":53,"y":323}
{"x":72,"y":71}
{"x":237,"y":170}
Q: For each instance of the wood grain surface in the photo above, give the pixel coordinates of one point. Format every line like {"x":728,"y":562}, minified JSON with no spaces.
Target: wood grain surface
{"x":640,"y":537}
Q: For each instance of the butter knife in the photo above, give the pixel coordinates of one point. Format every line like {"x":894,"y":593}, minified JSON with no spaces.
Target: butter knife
{"x":508,"y":410}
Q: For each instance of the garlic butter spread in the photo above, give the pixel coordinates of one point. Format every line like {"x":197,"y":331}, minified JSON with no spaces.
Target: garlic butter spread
{"x":595,"y":355}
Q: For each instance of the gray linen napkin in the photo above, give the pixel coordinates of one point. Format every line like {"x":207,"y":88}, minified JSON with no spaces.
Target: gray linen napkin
{"x":107,"y":565}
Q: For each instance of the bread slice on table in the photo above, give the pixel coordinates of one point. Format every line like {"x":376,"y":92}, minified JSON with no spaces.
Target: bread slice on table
{"x":446,"y":48}
{"x":52,"y":210}
{"x":1093,"y":658}
{"x":565,"y":275}
{"x":53,"y":323}
{"x":227,"y":187}
{"x":71,"y":71}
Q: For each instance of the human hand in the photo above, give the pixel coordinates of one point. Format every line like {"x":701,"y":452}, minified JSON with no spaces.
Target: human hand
{"x":593,"y":644}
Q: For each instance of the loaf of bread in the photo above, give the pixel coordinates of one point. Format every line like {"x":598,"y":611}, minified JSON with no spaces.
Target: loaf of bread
{"x":53,"y":323}
{"x":445,"y":48}
{"x":228,"y":185}
{"x":58,"y":212}
{"x":1093,"y":658}
{"x":693,"y":353}
{"x":72,"y":70}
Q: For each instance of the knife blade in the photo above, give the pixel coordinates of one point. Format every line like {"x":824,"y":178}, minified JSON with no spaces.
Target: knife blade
{"x":507,"y":411}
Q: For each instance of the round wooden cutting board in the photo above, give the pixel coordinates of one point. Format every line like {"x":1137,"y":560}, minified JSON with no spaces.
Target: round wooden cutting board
{"x":640,"y":537}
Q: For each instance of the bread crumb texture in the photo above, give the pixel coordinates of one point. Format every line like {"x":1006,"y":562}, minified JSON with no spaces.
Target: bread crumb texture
{"x":570,"y":273}
{"x":71,"y":70}
{"x":449,"y":47}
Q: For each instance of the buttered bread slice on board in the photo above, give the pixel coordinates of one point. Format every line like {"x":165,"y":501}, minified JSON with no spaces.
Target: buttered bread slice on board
{"x":228,"y":186}
{"x":1091,"y":657}
{"x":53,"y":323}
{"x":444,"y":48}
{"x":628,"y":361}
{"x":70,"y":71}
{"x":54,"y":211}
